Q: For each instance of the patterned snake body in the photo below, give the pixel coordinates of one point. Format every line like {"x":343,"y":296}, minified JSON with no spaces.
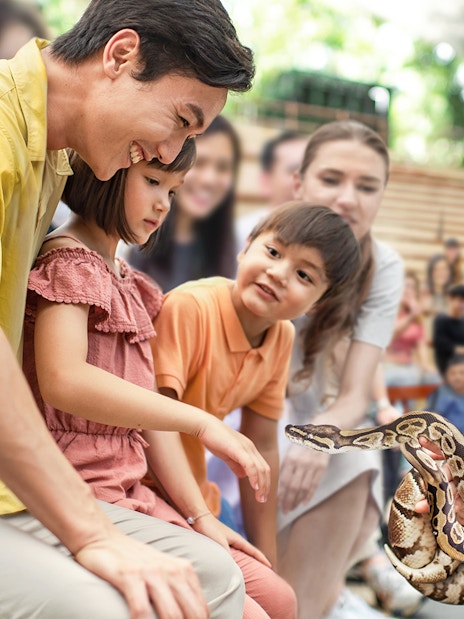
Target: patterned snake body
{"x":427,"y":549}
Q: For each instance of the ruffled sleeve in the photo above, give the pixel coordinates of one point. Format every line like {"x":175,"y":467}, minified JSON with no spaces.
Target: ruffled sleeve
{"x":77,"y":275}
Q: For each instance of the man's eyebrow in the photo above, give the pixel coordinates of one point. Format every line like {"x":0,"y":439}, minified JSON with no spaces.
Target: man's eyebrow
{"x":198,"y":113}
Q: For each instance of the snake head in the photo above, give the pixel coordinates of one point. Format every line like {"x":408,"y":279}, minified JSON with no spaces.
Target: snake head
{"x":320,"y":437}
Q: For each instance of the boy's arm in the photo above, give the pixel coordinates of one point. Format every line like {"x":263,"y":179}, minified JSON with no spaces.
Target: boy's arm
{"x":260,"y":518}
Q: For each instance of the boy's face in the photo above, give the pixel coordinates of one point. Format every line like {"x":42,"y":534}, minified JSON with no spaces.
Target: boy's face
{"x":455,"y":377}
{"x":147,"y":198}
{"x":278,"y":282}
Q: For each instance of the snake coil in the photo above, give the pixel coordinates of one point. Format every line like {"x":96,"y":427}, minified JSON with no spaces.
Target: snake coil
{"x":427,"y":549}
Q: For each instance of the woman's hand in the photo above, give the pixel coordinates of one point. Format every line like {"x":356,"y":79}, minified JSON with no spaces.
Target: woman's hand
{"x":300,"y":474}
{"x":239,"y":453}
{"x":227,"y":537}
{"x":388,"y":414}
{"x":422,"y":507}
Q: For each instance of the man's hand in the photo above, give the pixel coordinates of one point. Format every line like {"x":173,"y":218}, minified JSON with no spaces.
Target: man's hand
{"x":146,"y":577}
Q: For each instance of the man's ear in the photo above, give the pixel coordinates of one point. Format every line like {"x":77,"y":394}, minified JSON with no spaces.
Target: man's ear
{"x":121,"y":52}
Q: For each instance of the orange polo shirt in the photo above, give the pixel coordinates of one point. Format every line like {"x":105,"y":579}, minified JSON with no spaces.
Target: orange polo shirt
{"x":202,"y":353}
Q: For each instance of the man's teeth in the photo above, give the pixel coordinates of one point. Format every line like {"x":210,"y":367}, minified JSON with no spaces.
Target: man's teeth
{"x":136,"y":154}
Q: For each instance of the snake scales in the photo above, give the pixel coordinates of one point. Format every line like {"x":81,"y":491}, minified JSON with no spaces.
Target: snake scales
{"x":427,"y":549}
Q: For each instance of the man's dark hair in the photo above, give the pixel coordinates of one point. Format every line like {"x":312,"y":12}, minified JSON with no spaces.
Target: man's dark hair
{"x":455,"y":360}
{"x":195,"y":38}
{"x":267,"y":155}
{"x":456,"y":291}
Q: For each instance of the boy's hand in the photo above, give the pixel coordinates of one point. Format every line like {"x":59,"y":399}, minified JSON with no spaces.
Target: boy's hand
{"x":239,"y":453}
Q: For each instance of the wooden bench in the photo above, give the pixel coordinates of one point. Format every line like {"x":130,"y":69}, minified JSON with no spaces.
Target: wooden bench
{"x":406,"y":393}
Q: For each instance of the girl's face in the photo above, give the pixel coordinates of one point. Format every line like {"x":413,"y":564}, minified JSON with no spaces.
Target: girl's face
{"x":211,"y":178}
{"x":349,"y":178}
{"x":276,"y":281}
{"x":147,"y":198}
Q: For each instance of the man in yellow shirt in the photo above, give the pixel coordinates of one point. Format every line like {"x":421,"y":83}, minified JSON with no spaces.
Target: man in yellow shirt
{"x":129,"y":81}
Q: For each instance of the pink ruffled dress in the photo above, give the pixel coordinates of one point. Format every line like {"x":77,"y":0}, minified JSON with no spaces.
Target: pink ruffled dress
{"x":111,"y":459}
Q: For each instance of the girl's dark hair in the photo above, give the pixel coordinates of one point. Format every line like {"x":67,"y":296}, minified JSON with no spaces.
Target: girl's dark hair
{"x":320,"y":228}
{"x":215,"y":246}
{"x":103,"y":201}
{"x":194,"y":38}
{"x":338,"y":315}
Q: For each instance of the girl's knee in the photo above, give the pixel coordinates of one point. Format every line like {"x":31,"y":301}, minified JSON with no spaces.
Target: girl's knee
{"x":279,"y":599}
{"x":284,"y":602}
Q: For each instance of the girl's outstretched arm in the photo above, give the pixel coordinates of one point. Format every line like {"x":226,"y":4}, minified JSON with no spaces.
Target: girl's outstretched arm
{"x":71,"y":384}
{"x":166,"y":457}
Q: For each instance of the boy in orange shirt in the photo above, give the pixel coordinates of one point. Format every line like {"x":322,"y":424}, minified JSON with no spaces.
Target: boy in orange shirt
{"x":223,"y":344}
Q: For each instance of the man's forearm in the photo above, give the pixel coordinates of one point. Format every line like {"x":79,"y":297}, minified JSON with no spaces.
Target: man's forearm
{"x":34,"y":468}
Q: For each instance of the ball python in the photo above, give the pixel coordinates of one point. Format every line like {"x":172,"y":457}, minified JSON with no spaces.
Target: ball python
{"x":427,"y":549}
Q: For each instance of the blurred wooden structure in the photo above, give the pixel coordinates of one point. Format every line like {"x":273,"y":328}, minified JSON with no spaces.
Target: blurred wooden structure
{"x":407,"y":393}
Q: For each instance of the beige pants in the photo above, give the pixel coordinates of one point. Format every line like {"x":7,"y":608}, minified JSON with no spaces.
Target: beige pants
{"x":40,"y":580}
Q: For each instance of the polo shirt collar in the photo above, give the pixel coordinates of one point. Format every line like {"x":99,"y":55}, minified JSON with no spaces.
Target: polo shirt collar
{"x":235,"y":335}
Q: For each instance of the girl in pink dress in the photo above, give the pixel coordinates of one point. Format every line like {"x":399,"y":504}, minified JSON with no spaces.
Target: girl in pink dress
{"x":88,"y":359}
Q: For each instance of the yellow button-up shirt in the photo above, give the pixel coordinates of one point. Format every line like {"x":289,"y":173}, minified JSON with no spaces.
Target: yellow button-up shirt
{"x":31,"y":183}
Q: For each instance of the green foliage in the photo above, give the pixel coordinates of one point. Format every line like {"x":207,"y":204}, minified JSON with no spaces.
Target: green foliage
{"x":335,"y":38}
{"x":61,"y":15}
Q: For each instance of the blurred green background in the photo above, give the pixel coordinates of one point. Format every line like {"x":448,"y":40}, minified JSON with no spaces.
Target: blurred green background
{"x":355,"y":49}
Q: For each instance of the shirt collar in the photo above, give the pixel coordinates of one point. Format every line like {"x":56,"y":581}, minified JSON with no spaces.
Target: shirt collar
{"x":235,"y":335}
{"x":30,"y":77}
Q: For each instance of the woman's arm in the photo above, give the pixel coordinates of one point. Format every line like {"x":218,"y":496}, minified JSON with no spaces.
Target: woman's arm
{"x":68,"y":382}
{"x":260,"y":519}
{"x":385,"y":413}
{"x":32,"y":465}
{"x":302,"y":469}
{"x":350,"y":406}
